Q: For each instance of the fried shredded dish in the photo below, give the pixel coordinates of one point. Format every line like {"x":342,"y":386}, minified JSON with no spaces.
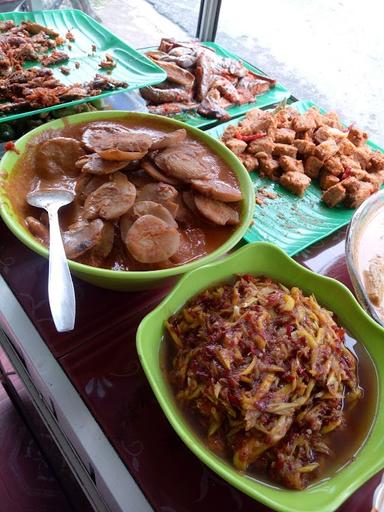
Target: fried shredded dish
{"x":265,"y":371}
{"x":25,"y":88}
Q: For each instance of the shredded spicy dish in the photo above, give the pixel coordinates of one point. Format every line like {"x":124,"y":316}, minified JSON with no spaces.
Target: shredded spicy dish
{"x":265,"y":371}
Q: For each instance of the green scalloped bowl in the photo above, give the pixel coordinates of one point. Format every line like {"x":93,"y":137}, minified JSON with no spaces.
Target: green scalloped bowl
{"x":124,"y":280}
{"x":267,"y":259}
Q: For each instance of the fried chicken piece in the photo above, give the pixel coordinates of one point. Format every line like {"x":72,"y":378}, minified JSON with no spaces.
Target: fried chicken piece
{"x":289,"y":164}
{"x":229,"y":133}
{"x":257,"y":121}
{"x":334,"y":195}
{"x":295,"y":182}
{"x":312,"y":167}
{"x":54,"y":58}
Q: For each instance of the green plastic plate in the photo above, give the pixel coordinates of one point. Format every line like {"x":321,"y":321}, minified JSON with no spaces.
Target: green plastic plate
{"x":291,"y":222}
{"x":131,"y":65}
{"x":271,"y":97}
{"x":266,"y":259}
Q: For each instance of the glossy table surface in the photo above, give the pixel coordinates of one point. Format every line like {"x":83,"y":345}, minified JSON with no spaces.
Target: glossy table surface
{"x":100,"y":359}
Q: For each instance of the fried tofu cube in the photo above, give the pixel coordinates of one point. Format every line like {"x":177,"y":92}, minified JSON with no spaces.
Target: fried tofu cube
{"x":374,"y":178}
{"x":312,"y":167}
{"x":237,"y":146}
{"x":327,"y":180}
{"x":346,"y":147}
{"x":284,"y":117}
{"x":376,"y":162}
{"x":357,"y":136}
{"x":304,"y":147}
{"x":250,"y":162}
{"x":357,"y":192}
{"x":303,"y":122}
{"x":285,"y":135}
{"x":363,"y":156}
{"x":327,"y":132}
{"x":315,"y":114}
{"x":295,"y":182}
{"x":265,"y":145}
{"x":308,"y":135}
{"x":289,"y":164}
{"x":334,"y":166}
{"x":334,"y":195}
{"x":326,"y":150}
{"x":332,"y":119}
{"x":284,"y":149}
{"x":229,"y":133}
{"x":268,"y":166}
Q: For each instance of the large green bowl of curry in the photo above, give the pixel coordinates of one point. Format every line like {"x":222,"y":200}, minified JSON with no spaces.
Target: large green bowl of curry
{"x":11,"y":197}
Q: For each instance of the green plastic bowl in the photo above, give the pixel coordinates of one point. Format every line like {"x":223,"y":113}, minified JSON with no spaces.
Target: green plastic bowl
{"x":267,"y":259}
{"x":125,"y":280}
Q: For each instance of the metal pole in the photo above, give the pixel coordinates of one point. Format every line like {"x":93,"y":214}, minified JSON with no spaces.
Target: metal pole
{"x":208,"y":20}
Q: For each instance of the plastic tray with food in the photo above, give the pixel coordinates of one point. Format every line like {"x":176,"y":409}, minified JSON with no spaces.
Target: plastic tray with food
{"x":206,"y":83}
{"x":309,"y":172}
{"x":57,"y":58}
{"x":365,"y":255}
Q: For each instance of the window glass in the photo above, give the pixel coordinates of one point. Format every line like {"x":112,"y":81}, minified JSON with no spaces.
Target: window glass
{"x":329,"y":52}
{"x":140,"y":23}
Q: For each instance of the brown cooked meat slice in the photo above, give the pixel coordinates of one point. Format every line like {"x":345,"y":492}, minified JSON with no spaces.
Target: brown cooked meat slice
{"x":264,"y":144}
{"x":157,"y":192}
{"x":237,"y":146}
{"x":288,"y":164}
{"x":110,"y":201}
{"x":312,"y":167}
{"x":357,"y":137}
{"x":141,"y":208}
{"x":218,"y":190}
{"x":357,"y":192}
{"x":182,"y":162}
{"x":250,"y":162}
{"x":284,"y":149}
{"x":334,"y":195}
{"x":151,"y":240}
{"x":156,"y":174}
{"x":304,"y":147}
{"x":326,"y":150}
{"x":81,"y":237}
{"x":57,"y":157}
{"x":94,"y":164}
{"x":170,"y":139}
{"x":295,"y":182}
{"x":334,"y":166}
{"x":285,"y":135}
{"x":216,"y":211}
{"x":102,"y":137}
{"x":38,"y":229}
{"x":303,"y":122}
{"x":327,"y":180}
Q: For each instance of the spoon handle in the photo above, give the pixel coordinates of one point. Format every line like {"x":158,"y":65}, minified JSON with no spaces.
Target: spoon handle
{"x":60,"y":287}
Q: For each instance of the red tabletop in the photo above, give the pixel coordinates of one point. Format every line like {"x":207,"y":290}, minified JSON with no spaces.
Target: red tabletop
{"x":100,"y":358}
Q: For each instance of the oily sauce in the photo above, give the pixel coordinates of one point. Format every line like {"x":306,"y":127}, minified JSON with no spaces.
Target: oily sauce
{"x":25,"y":178}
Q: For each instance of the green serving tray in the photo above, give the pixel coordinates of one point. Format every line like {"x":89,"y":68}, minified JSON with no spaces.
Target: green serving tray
{"x":269,"y":98}
{"x":131,"y":65}
{"x":291,"y":222}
